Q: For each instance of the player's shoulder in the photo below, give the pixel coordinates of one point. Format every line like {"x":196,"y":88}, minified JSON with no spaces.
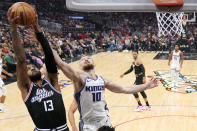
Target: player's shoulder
{"x":180,"y":52}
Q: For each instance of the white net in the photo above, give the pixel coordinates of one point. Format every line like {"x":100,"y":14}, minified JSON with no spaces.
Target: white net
{"x":170,"y":23}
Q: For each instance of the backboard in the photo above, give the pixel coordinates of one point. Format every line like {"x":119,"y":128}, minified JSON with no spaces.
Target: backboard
{"x":122,"y":5}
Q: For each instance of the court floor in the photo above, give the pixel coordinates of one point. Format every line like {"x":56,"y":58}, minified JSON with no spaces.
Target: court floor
{"x":170,"y":111}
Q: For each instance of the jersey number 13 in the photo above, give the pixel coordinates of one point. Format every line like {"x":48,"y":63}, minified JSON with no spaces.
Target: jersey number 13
{"x":48,"y":105}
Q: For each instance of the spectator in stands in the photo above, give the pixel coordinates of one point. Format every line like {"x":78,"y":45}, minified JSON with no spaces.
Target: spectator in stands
{"x":10,"y":61}
{"x":127,"y":44}
{"x":4,"y":48}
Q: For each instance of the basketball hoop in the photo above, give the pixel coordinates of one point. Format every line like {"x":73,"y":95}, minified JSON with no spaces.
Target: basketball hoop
{"x":170,"y":24}
{"x":170,"y":19}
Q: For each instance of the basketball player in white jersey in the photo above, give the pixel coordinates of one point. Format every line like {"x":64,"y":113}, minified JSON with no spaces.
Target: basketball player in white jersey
{"x":89,"y":91}
{"x":176,"y":57}
{"x":3,"y":90}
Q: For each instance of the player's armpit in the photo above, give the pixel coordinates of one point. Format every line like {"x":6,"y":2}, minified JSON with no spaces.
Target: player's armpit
{"x":53,"y":79}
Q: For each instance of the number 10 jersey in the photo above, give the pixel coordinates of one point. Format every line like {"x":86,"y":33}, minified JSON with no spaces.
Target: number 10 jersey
{"x":91,"y":101}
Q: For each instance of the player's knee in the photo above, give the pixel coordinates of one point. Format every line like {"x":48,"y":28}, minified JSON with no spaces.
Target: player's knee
{"x":143,"y":94}
{"x":136,"y":95}
{"x":4,"y":91}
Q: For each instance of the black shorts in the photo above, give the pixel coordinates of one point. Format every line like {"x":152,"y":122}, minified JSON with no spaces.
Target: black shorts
{"x":60,"y":128}
{"x":139,"y":80}
{"x":67,"y":129}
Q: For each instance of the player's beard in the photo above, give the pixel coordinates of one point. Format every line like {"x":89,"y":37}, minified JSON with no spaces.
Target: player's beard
{"x":36,"y":76}
{"x":88,"y":67}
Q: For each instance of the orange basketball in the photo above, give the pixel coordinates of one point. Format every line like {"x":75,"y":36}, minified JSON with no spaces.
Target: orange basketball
{"x":25,"y":12}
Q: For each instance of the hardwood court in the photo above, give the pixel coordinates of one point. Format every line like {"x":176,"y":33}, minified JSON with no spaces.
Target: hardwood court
{"x":170,"y":111}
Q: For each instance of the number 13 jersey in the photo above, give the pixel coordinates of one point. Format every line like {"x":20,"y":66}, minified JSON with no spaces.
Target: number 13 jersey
{"x":91,"y":100}
{"x":45,"y":106}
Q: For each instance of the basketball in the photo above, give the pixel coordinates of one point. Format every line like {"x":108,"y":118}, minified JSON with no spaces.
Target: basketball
{"x":25,"y":12}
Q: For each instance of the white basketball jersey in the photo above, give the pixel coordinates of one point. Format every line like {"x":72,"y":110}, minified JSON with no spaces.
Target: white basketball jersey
{"x":91,"y":100}
{"x":176,"y":58}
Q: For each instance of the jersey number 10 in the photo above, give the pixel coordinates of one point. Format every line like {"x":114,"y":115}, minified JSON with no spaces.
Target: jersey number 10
{"x":96,"y":96}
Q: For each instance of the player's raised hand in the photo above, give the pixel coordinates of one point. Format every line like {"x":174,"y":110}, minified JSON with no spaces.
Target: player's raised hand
{"x":152,"y":83}
{"x":36,"y":26}
{"x":11,"y":19}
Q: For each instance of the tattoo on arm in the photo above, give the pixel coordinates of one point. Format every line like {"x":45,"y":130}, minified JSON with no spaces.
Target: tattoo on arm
{"x":22,"y":77}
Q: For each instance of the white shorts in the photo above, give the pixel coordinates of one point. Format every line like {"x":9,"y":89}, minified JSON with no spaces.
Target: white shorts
{"x":2,"y":88}
{"x":175,"y":67}
{"x":94,"y":126}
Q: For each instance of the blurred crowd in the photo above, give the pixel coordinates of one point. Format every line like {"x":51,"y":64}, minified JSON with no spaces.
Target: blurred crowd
{"x":108,"y":32}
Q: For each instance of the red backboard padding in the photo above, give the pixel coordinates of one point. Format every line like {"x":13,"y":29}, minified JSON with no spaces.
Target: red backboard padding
{"x":168,"y":2}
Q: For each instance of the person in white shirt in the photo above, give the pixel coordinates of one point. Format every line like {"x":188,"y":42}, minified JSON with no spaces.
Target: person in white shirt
{"x":176,"y":62}
{"x":3,"y":90}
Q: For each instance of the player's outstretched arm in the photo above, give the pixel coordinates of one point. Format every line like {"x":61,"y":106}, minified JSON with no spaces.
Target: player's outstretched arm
{"x":71,"y":117}
{"x":153,"y":82}
{"x":128,"y":71}
{"x":23,"y":80}
{"x":66,"y":69}
{"x":51,"y":73}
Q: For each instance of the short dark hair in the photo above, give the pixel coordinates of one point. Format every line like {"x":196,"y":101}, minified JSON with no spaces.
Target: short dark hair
{"x":12,"y":51}
{"x":106,"y":128}
{"x":177,"y":45}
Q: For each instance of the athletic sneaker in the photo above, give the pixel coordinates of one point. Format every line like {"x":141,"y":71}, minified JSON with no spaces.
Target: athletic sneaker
{"x":139,"y":108}
{"x":3,"y":110}
{"x":148,"y":108}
